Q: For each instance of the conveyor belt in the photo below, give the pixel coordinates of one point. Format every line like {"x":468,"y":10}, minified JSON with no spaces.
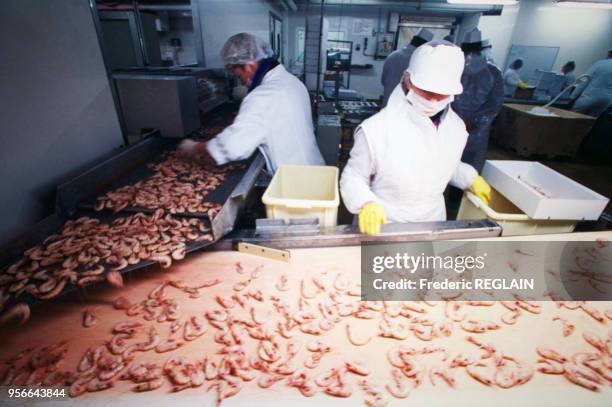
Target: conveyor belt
{"x":123,"y":168}
{"x":106,"y":218}
{"x":142,"y":172}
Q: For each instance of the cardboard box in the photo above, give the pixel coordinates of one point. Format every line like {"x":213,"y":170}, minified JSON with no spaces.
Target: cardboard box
{"x":528,"y":134}
{"x":543,"y":193}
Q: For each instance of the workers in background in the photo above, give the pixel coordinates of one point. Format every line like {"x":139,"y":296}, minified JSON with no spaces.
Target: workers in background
{"x":274,"y":116}
{"x":595,"y":96}
{"x":512,"y":79}
{"x":481,"y":100}
{"x":405,"y":155}
{"x":568,"y":72}
{"x":397,"y":62}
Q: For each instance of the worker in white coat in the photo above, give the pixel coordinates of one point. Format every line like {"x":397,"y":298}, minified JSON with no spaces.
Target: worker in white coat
{"x":274,"y":117}
{"x":512,"y":79}
{"x":405,"y":155}
{"x":594,"y":97}
{"x":396,"y":63}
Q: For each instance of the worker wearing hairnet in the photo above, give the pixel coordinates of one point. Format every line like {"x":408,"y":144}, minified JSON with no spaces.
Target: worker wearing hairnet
{"x":595,"y":96}
{"x":481,"y":100}
{"x":512,"y":79}
{"x":275,"y":115}
{"x":405,"y":155}
{"x":397,"y":62}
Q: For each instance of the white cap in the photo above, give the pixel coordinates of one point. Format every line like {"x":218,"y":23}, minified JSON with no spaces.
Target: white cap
{"x":472,"y":37}
{"x":436,"y":67}
{"x":425,"y":34}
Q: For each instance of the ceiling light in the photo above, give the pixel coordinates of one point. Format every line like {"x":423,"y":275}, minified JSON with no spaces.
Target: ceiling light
{"x":485,"y":2}
{"x":605,"y":4}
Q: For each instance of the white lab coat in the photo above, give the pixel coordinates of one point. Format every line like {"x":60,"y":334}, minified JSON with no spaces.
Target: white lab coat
{"x":511,"y":81}
{"x":276,"y":118}
{"x":402,"y":162}
{"x":596,"y":95}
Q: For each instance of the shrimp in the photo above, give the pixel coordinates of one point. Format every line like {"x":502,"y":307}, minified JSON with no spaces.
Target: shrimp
{"x":149,"y":385}
{"x":169,"y":345}
{"x":399,"y":388}
{"x":551,"y":354}
{"x":358,"y":368}
{"x":19,"y":312}
{"x":480,"y":372}
{"x":194,"y":328}
{"x":443,"y":374}
{"x":114,"y":278}
{"x":89,"y":319}
{"x":281,"y":285}
{"x":578,"y":376}
{"x":121,"y":303}
{"x":548,"y":366}
{"x":267,"y":380}
{"x":568,"y":328}
{"x":478,"y":326}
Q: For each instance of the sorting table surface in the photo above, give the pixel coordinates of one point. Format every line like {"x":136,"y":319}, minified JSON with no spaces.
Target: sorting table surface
{"x":63,"y":321}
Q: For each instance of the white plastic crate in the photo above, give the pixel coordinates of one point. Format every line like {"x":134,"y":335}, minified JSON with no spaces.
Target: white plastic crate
{"x":512,"y":220}
{"x":543,"y":193}
{"x":301,"y":191}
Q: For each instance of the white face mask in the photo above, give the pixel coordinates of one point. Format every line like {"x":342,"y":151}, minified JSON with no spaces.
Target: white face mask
{"x":428,"y":107}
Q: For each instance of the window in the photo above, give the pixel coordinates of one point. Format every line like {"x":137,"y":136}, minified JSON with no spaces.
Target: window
{"x":336,"y":36}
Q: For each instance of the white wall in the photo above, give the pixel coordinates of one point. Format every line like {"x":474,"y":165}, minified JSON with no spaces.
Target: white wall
{"x":57,"y":112}
{"x":498,"y":30}
{"x":583,"y":35}
{"x":220,"y":19}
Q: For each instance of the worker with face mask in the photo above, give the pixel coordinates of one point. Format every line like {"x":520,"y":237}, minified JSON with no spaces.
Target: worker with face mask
{"x":405,"y":155}
{"x":274,"y":117}
{"x":593,"y":97}
{"x":481,"y":100}
{"x":397,"y":62}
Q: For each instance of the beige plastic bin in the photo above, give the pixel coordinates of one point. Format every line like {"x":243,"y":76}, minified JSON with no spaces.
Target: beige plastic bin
{"x":301,"y":191}
{"x":513,"y":221}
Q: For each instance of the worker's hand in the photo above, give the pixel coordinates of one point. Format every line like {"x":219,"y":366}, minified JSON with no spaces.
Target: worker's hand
{"x":481,"y":189}
{"x":522,"y":85}
{"x":371,"y":216}
{"x":188,"y":148}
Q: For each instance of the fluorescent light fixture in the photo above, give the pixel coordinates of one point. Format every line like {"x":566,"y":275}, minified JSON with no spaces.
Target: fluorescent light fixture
{"x":484,"y":2}
{"x":605,"y":4}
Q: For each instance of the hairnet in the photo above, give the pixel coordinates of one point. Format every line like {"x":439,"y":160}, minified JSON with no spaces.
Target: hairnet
{"x":242,"y":48}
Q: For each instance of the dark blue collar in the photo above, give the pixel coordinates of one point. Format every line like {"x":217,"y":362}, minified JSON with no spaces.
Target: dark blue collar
{"x":265,"y":65}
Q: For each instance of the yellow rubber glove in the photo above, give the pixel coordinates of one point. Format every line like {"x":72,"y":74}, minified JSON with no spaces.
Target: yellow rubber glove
{"x":371,"y":216}
{"x":522,"y":85}
{"x":481,"y":189}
